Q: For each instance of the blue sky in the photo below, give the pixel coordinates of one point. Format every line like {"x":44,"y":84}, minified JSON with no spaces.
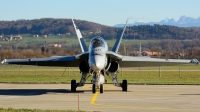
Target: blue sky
{"x":107,"y":12}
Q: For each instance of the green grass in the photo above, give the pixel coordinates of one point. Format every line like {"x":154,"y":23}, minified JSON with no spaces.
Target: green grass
{"x":70,"y":41}
{"x":147,"y":75}
{"x":182,"y":67}
{"x":166,"y":77}
{"x":34,"y":110}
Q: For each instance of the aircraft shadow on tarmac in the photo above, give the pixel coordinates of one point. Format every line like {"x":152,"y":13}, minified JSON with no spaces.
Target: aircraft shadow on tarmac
{"x":32,"y":92}
{"x":189,"y":94}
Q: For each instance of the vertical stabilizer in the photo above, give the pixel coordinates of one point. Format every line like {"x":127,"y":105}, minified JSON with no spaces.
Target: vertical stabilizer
{"x":118,"y":41}
{"x":80,"y":39}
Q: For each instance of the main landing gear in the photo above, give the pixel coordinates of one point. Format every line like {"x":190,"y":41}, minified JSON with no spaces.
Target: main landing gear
{"x":124,"y":85}
{"x":96,"y":80}
{"x":73,"y":85}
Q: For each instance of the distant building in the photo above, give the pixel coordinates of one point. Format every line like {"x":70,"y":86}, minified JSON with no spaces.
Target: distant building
{"x":35,"y":35}
{"x":45,"y":36}
{"x":10,"y":38}
{"x":17,"y":37}
{"x":55,"y":45}
{"x":7,"y":38}
{"x":149,"y":53}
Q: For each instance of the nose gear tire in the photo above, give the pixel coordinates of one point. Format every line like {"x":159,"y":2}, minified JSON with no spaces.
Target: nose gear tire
{"x":93,"y":88}
{"x":101,"y":88}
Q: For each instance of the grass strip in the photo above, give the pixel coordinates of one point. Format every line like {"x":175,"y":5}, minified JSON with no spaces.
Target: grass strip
{"x":34,"y":110}
{"x":47,"y":75}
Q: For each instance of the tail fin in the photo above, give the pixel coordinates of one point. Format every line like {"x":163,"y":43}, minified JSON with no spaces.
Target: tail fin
{"x":118,"y":41}
{"x":80,"y":39}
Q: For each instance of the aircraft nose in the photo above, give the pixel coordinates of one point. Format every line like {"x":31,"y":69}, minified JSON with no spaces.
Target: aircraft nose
{"x":98,"y":63}
{"x":96,"y":66}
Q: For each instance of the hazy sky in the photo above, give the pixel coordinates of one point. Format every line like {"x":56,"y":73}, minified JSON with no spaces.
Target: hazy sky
{"x":107,"y":12}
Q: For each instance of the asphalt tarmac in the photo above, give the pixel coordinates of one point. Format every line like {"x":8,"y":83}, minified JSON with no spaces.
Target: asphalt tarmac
{"x":138,"y":98}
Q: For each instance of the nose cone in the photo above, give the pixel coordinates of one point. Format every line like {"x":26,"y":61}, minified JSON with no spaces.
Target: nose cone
{"x":98,"y":63}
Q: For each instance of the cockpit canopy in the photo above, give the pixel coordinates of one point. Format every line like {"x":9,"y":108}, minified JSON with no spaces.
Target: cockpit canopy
{"x":97,"y":42}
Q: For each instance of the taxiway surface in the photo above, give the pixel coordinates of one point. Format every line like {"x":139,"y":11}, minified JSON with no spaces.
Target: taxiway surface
{"x":145,"y":98}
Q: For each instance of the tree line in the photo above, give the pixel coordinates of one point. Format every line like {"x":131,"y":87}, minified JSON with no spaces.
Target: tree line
{"x":61,"y":26}
{"x":46,"y":26}
{"x":171,"y":48}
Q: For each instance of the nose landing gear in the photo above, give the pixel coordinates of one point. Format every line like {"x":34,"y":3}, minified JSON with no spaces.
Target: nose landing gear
{"x":101,"y":88}
{"x":94,"y":88}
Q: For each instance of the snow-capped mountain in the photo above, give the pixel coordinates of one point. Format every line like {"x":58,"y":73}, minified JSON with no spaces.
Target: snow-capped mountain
{"x":182,"y":22}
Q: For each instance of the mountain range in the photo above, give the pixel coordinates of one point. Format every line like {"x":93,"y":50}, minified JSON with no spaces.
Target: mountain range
{"x":184,"y":21}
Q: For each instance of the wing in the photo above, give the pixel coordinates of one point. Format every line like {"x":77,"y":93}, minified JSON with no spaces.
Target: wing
{"x":128,"y":61}
{"x":145,"y":61}
{"x":80,"y":38}
{"x":66,"y":61}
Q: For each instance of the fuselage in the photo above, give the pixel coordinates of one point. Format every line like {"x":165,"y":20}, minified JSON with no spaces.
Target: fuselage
{"x":97,"y":54}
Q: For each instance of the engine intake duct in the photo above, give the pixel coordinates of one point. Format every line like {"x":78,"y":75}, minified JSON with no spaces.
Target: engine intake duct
{"x":83,"y":67}
{"x":113,"y":67}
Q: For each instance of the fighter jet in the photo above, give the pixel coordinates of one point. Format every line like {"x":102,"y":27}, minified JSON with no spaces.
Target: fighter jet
{"x":98,"y":61}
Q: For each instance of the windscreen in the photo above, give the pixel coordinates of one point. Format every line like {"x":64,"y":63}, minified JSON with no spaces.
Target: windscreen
{"x":97,"y":42}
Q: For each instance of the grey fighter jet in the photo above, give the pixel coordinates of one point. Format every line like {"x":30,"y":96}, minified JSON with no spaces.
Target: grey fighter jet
{"x":97,"y":62}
